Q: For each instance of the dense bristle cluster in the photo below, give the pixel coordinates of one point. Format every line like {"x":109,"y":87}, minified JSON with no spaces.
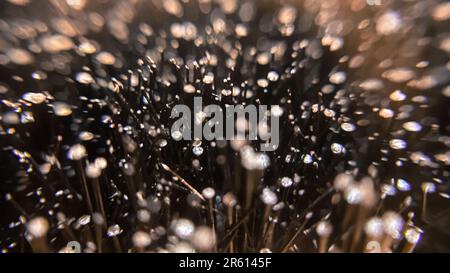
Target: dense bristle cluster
{"x":87,"y":153}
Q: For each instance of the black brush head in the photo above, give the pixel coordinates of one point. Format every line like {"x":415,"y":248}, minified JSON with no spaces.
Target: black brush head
{"x":88,"y":153}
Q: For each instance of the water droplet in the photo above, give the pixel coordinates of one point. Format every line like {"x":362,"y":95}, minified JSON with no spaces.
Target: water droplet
{"x":307,"y":159}
{"x":56,"y":43}
{"x":92,"y":171}
{"x":372,"y":85}
{"x":177,"y":135}
{"x":337,"y":148}
{"x":197,"y":150}
{"x":386,"y":113}
{"x":141,"y":239}
{"x":324,"y":228}
{"x":338,"y":77}
{"x":388,"y":23}
{"x":38,"y":227}
{"x":276,"y":111}
{"x":441,"y":12}
{"x":62,"y":109}
{"x":263,"y":83}
{"x":398,"y":75}
{"x":161,"y":142}
{"x":105,"y":58}
{"x":413,"y":235}
{"x":76,"y":4}
{"x":208,"y":78}
{"x":87,"y":47}
{"x":208,"y":193}
{"x":86,"y":136}
{"x":204,"y":238}
{"x":268,"y":197}
{"x":84,"y":220}
{"x":39,"y":75}
{"x":10,"y":118}
{"x":397,"y":144}
{"x":287,"y":14}
{"x":76,"y":152}
{"x":84,"y":78}
{"x":183,"y":228}
{"x":348,"y":127}
{"x":374,"y":227}
{"x":263,"y":58}
{"x":353,"y":194}
{"x":392,"y":224}
{"x":342,"y":181}
{"x":173,"y":7}
{"x":412,"y":126}
{"x":241,"y":30}
{"x":397,"y":95}
{"x":273,"y":76}
{"x":286,"y":182}
{"x":189,"y":88}
{"x":100,"y":162}
{"x":20,"y":56}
